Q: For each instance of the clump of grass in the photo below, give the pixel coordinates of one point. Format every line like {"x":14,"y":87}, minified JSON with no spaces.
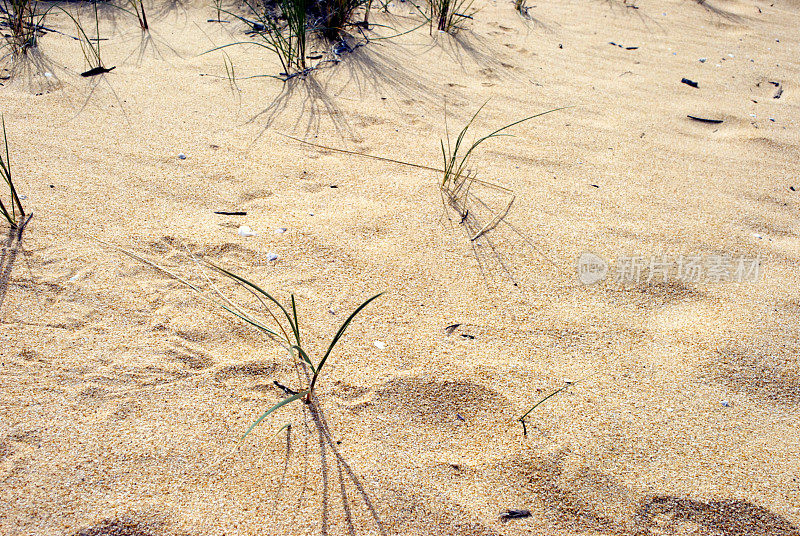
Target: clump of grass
{"x":457,"y":180}
{"x":284,"y":327}
{"x":337,"y":14}
{"x":283,"y":32}
{"x":281,"y":324}
{"x":449,"y":15}
{"x":21,"y":24}
{"x":14,"y":214}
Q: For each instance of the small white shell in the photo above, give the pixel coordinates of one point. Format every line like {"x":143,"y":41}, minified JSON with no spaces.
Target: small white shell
{"x":246,"y":231}
{"x":280,"y":230}
{"x":380,"y":345}
{"x":272,"y":257}
{"x":181,"y":156}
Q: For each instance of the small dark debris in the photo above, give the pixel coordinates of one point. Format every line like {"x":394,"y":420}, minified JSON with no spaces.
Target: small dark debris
{"x":514,"y":514}
{"x":621,"y":46}
{"x":468,"y":336}
{"x":594,"y":186}
{"x":792,"y":188}
{"x":287,"y":390}
{"x":230,"y":213}
{"x":451,"y":328}
{"x":97,"y":70}
{"x":704,"y":120}
{"x":778,"y":93}
{"x":560,"y":45}
{"x":689,"y":82}
{"x":52,"y":186}
{"x":460,"y":418}
{"x":315,"y":57}
{"x":258,"y":27}
{"x":334,"y":186}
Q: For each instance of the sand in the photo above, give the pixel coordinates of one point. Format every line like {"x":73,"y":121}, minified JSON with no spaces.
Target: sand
{"x":123,"y":393}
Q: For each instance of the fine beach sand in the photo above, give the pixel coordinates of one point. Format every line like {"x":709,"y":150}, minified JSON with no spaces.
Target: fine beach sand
{"x":123,"y":394}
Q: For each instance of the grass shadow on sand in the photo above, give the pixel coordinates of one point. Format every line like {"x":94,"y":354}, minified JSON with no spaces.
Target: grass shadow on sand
{"x":317,"y":104}
{"x":341,"y":490}
{"x":8,"y":256}
{"x":344,"y":473}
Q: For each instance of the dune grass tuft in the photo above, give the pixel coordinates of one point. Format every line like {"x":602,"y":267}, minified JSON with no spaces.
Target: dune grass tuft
{"x":283,"y":32}
{"x":457,"y":180}
{"x":14,"y":213}
{"x":281,"y":324}
{"x":283,"y":327}
{"x":335,"y":16}
{"x":449,"y":15}
{"x":285,"y":27}
{"x":20,"y":24}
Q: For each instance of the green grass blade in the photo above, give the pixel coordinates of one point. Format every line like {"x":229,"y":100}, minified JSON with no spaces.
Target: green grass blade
{"x":255,"y":287}
{"x":344,"y":327}
{"x":304,"y":357}
{"x":277,"y":406}
{"x":545,"y":399}
{"x":250,"y":320}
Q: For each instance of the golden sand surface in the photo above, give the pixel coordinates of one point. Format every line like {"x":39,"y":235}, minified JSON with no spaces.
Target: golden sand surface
{"x":123,"y":393}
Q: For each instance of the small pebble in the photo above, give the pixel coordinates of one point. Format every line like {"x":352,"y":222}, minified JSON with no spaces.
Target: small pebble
{"x":74,"y":278}
{"x":725,"y":403}
{"x":181,"y":156}
{"x":380,"y":345}
{"x":272,"y":257}
{"x":280,"y":230}
{"x":246,"y":231}
{"x":703,"y":60}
